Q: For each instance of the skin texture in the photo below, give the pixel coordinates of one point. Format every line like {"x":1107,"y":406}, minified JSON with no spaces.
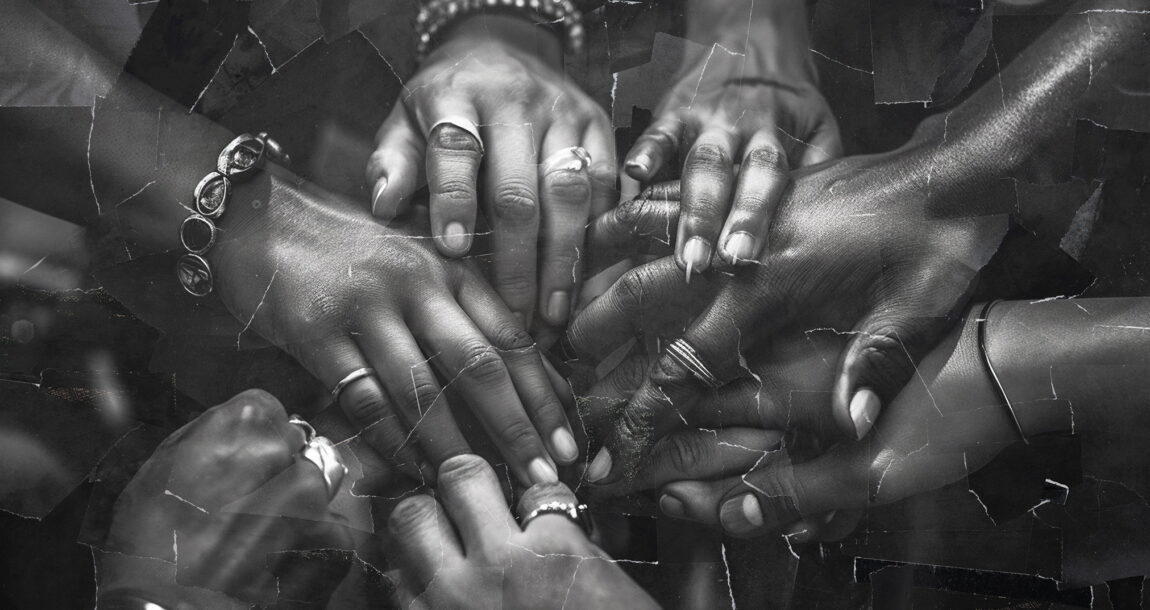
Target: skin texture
{"x":466,"y":550}
{"x":882,"y":248}
{"x":752,"y":100}
{"x":536,"y":194}
{"x":231,"y":490}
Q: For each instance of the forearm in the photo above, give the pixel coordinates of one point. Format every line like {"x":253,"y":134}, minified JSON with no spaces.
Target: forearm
{"x":778,"y":28}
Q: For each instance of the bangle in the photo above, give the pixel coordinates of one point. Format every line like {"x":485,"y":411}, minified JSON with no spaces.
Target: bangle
{"x":238,"y":161}
{"x":435,"y":16}
{"x":981,"y":321}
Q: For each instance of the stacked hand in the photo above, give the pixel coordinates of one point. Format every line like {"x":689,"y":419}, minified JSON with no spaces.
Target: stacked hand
{"x":339,"y":291}
{"x":490,"y":118}
{"x":216,"y":508}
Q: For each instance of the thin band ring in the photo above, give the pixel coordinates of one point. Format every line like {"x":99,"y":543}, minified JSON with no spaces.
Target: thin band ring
{"x":575,"y":512}
{"x":321,"y":452}
{"x":680,"y":351}
{"x":351,"y":378}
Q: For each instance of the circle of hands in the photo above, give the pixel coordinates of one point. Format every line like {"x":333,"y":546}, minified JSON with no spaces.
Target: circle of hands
{"x":815,"y":294}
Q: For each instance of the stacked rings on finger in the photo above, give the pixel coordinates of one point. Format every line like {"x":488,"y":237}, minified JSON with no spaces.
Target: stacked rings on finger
{"x":437,"y":16}
{"x":238,"y":161}
{"x":681,"y":352}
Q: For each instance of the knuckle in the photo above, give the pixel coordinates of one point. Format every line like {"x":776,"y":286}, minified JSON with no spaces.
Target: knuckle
{"x":515,"y":203}
{"x":454,"y":188}
{"x":630,"y":288}
{"x":687,"y":450}
{"x":412,"y":514}
{"x":629,"y":212}
{"x":463,"y":468}
{"x":363,"y":404}
{"x":447,"y":137}
{"x":481,"y":362}
{"x":515,"y":282}
{"x":519,"y":434}
{"x":708,"y":157}
{"x":569,"y":186}
{"x":421,"y":392}
{"x":511,"y":337}
{"x":766,"y":158}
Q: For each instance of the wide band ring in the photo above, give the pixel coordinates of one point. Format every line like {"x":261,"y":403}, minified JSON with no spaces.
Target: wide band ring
{"x":572,"y":158}
{"x":309,"y":433}
{"x":321,"y":452}
{"x":463,"y":123}
{"x":575,"y":512}
{"x":351,"y":378}
{"x":680,"y":351}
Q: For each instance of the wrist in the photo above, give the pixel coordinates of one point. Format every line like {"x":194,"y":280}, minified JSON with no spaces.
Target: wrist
{"x":773,"y":35}
{"x":511,"y":31}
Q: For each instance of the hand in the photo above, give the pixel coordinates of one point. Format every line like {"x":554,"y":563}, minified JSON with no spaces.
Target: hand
{"x":488,"y":100}
{"x":340,"y":292}
{"x":470,"y":552}
{"x":217,"y":506}
{"x":855,"y":248}
{"x":751,"y":101}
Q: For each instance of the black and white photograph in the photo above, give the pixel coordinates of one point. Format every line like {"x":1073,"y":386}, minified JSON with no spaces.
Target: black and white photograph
{"x":574,"y":304}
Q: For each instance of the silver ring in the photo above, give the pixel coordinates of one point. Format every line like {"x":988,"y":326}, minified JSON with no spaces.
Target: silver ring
{"x":463,"y":123}
{"x":325,"y":456}
{"x":308,"y":431}
{"x":680,"y":351}
{"x":575,"y":512}
{"x":351,"y":378}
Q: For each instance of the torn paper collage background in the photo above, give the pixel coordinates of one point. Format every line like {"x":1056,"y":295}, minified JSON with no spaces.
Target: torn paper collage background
{"x":150,"y":441}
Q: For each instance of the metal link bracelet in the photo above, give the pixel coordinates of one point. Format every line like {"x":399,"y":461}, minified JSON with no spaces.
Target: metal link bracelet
{"x":435,"y":16}
{"x":238,"y":161}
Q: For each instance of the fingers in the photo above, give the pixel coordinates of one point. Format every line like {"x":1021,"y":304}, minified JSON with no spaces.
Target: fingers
{"x":777,"y":493}
{"x":424,"y":536}
{"x":708,"y":174}
{"x":395,"y":169}
{"x":879,"y":360}
{"x":643,"y":225}
{"x":763,"y":179}
{"x":454,"y":153}
{"x":474,"y":501}
{"x":701,"y":455}
{"x":826,"y":144}
{"x":534,"y":382}
{"x":599,"y":140}
{"x":657,"y":144}
{"x":565,"y":193}
{"x":414,"y":390}
{"x":512,"y":208}
{"x":555,"y":524}
{"x":468,"y":358}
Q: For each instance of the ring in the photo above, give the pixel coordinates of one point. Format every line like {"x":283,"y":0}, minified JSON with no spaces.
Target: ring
{"x":463,"y":123}
{"x":680,"y":351}
{"x":351,"y":378}
{"x":575,"y":512}
{"x":572,"y":159}
{"x":323,"y":454}
{"x":308,"y":431}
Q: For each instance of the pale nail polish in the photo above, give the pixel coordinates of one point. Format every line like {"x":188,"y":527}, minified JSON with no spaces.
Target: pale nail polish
{"x":541,"y":471}
{"x":558,"y":307}
{"x":376,"y":192}
{"x":697,"y":254}
{"x":600,"y":466}
{"x":455,"y":237}
{"x":563,"y":444}
{"x":741,"y":515}
{"x":672,"y":507}
{"x":864,"y":409}
{"x":740,"y":247}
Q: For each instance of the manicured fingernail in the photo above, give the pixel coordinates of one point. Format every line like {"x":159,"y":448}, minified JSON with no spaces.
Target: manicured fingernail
{"x":741,"y":515}
{"x":558,"y":307}
{"x":455,"y":237}
{"x":376,"y":193}
{"x":563,"y":444}
{"x":600,"y":466}
{"x":672,"y":507}
{"x":697,"y":254}
{"x":541,"y":471}
{"x":740,"y":247}
{"x":641,"y":163}
{"x":864,"y":409}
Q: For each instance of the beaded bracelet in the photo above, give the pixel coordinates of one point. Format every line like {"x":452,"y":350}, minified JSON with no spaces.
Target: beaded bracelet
{"x":238,"y":161}
{"x":983,"y":316}
{"x":436,"y":15}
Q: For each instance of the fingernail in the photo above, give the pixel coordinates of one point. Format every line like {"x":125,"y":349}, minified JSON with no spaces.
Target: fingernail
{"x":455,"y":237}
{"x":563,"y":444}
{"x":740,"y":247}
{"x":600,"y":466}
{"x":672,"y":507}
{"x":697,"y":254}
{"x":641,"y":163}
{"x":541,"y":471}
{"x":864,"y":409}
{"x":376,"y":192}
{"x":558,"y":306}
{"x":741,"y":515}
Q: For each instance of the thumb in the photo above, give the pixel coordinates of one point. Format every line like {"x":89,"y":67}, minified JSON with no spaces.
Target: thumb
{"x":395,"y":169}
{"x":878,"y":361}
